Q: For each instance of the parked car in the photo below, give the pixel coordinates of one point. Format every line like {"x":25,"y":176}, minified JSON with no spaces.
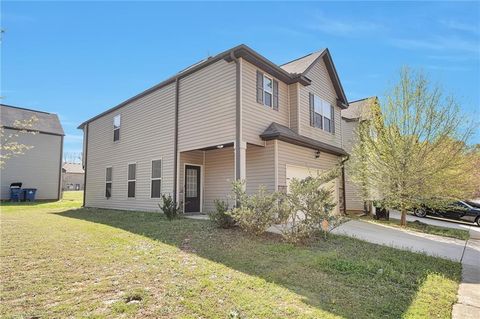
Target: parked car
{"x":463,"y":210}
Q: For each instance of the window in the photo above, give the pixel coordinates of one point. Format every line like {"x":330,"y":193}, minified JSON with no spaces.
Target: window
{"x":116,"y":128}
{"x":321,"y":113}
{"x":267,"y":91}
{"x":156,"y":179}
{"x":108,"y":182}
{"x":132,"y":179}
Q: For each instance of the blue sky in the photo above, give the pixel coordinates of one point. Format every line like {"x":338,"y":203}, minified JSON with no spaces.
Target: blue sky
{"x":78,"y":59}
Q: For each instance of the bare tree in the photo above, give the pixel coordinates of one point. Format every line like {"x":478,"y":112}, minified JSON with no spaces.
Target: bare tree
{"x":413,"y":147}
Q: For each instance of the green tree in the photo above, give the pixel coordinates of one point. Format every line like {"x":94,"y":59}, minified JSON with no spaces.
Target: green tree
{"x":413,"y":147}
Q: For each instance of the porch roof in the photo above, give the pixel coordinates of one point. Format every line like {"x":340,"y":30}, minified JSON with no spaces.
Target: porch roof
{"x":280,"y":132}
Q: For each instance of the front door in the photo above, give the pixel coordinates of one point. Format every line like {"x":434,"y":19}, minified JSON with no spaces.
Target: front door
{"x":192,"y":189}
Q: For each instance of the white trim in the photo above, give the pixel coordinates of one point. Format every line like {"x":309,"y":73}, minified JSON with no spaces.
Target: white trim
{"x":132,"y":180}
{"x":201,"y":184}
{"x":275,"y":162}
{"x":265,"y":91}
{"x":119,"y":126}
{"x":178,"y":176}
{"x":156,"y":178}
{"x":105,"y":182}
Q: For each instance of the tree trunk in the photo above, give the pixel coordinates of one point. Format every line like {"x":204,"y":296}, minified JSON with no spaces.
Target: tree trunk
{"x":403,"y":219}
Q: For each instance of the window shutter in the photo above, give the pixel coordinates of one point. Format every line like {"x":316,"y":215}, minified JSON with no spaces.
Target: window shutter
{"x":332,"y":119}
{"x":259,"y":87}
{"x":275,"y":95}
{"x":312,"y":111}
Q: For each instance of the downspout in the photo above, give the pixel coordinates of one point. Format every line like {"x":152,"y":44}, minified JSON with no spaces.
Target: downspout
{"x":343,"y":184}
{"x":237,"y":116}
{"x":85,"y":158}
{"x":175,"y":142}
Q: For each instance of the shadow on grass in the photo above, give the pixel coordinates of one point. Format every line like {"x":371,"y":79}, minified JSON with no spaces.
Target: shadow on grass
{"x":347,"y":277}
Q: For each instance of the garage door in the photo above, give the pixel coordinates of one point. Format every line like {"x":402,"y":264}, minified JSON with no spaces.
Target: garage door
{"x":301,"y":172}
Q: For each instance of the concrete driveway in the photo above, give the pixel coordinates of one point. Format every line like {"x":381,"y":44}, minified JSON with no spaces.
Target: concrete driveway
{"x":436,"y":221}
{"x":449,"y":248}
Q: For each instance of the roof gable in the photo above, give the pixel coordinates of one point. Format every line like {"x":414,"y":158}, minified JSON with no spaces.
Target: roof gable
{"x":304,"y":64}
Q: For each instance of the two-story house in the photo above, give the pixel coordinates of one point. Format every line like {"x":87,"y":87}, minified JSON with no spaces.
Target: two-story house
{"x":40,"y":164}
{"x":233,"y":116}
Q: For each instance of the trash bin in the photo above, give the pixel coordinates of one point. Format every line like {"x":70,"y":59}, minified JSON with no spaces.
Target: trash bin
{"x":29,"y":194}
{"x":16,"y":193}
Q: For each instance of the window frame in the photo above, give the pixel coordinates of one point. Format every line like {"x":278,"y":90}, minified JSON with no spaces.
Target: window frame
{"x":156,"y":178}
{"x":132,"y":180}
{"x":325,"y":108}
{"x":108,"y":182}
{"x":269,"y":92}
{"x":119,"y":116}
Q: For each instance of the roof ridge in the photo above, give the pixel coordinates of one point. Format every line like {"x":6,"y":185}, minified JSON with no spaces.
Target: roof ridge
{"x":26,"y":109}
{"x":365,"y":98}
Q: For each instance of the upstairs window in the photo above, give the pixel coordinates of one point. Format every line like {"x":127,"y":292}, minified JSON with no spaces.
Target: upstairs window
{"x":116,"y":127}
{"x":267,"y":91}
{"x":108,"y":182}
{"x":132,"y":180}
{"x":321,"y":114}
{"x":156,"y":179}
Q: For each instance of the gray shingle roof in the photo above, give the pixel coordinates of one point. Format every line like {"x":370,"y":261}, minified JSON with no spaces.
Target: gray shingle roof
{"x":357,"y":109}
{"x":46,"y":122}
{"x":283,"y":133}
{"x":73,"y":168}
{"x":300,"y":65}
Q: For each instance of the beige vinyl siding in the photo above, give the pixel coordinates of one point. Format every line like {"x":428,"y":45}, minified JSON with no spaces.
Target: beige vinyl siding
{"x":146,"y":134}
{"x":255,"y":116}
{"x":191,"y":157}
{"x":207,"y":107}
{"x":38,"y":167}
{"x":260,"y":167}
{"x":352,"y":192}
{"x":219,"y":174}
{"x":290,"y":154}
{"x":294,"y":102}
{"x":321,"y":86}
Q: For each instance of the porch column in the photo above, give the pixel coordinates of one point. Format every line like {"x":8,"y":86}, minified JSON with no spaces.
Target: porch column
{"x":241,"y":161}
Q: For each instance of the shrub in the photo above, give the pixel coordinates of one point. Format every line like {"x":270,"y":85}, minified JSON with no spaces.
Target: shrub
{"x":169,"y":207}
{"x":255,"y":213}
{"x":308,"y":209}
{"x":220,"y":216}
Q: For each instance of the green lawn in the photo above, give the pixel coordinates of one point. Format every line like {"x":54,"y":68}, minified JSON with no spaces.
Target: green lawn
{"x":424,"y":228}
{"x":59,"y":260}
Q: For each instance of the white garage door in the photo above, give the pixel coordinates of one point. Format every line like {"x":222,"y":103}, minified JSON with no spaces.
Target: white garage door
{"x":301,"y":172}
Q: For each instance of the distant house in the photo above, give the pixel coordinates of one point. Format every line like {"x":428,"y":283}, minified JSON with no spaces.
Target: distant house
{"x":72,"y":177}
{"x":234,"y":116}
{"x":351,"y":117}
{"x":40,"y":166}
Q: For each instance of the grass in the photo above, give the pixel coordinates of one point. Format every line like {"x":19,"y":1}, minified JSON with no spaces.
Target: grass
{"x":59,"y":260}
{"x":424,"y":228}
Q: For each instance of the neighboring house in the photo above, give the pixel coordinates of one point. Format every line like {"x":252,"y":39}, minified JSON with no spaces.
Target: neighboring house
{"x":232,"y":116}
{"x":351,"y":117}
{"x":40,"y":166}
{"x":73,"y":176}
